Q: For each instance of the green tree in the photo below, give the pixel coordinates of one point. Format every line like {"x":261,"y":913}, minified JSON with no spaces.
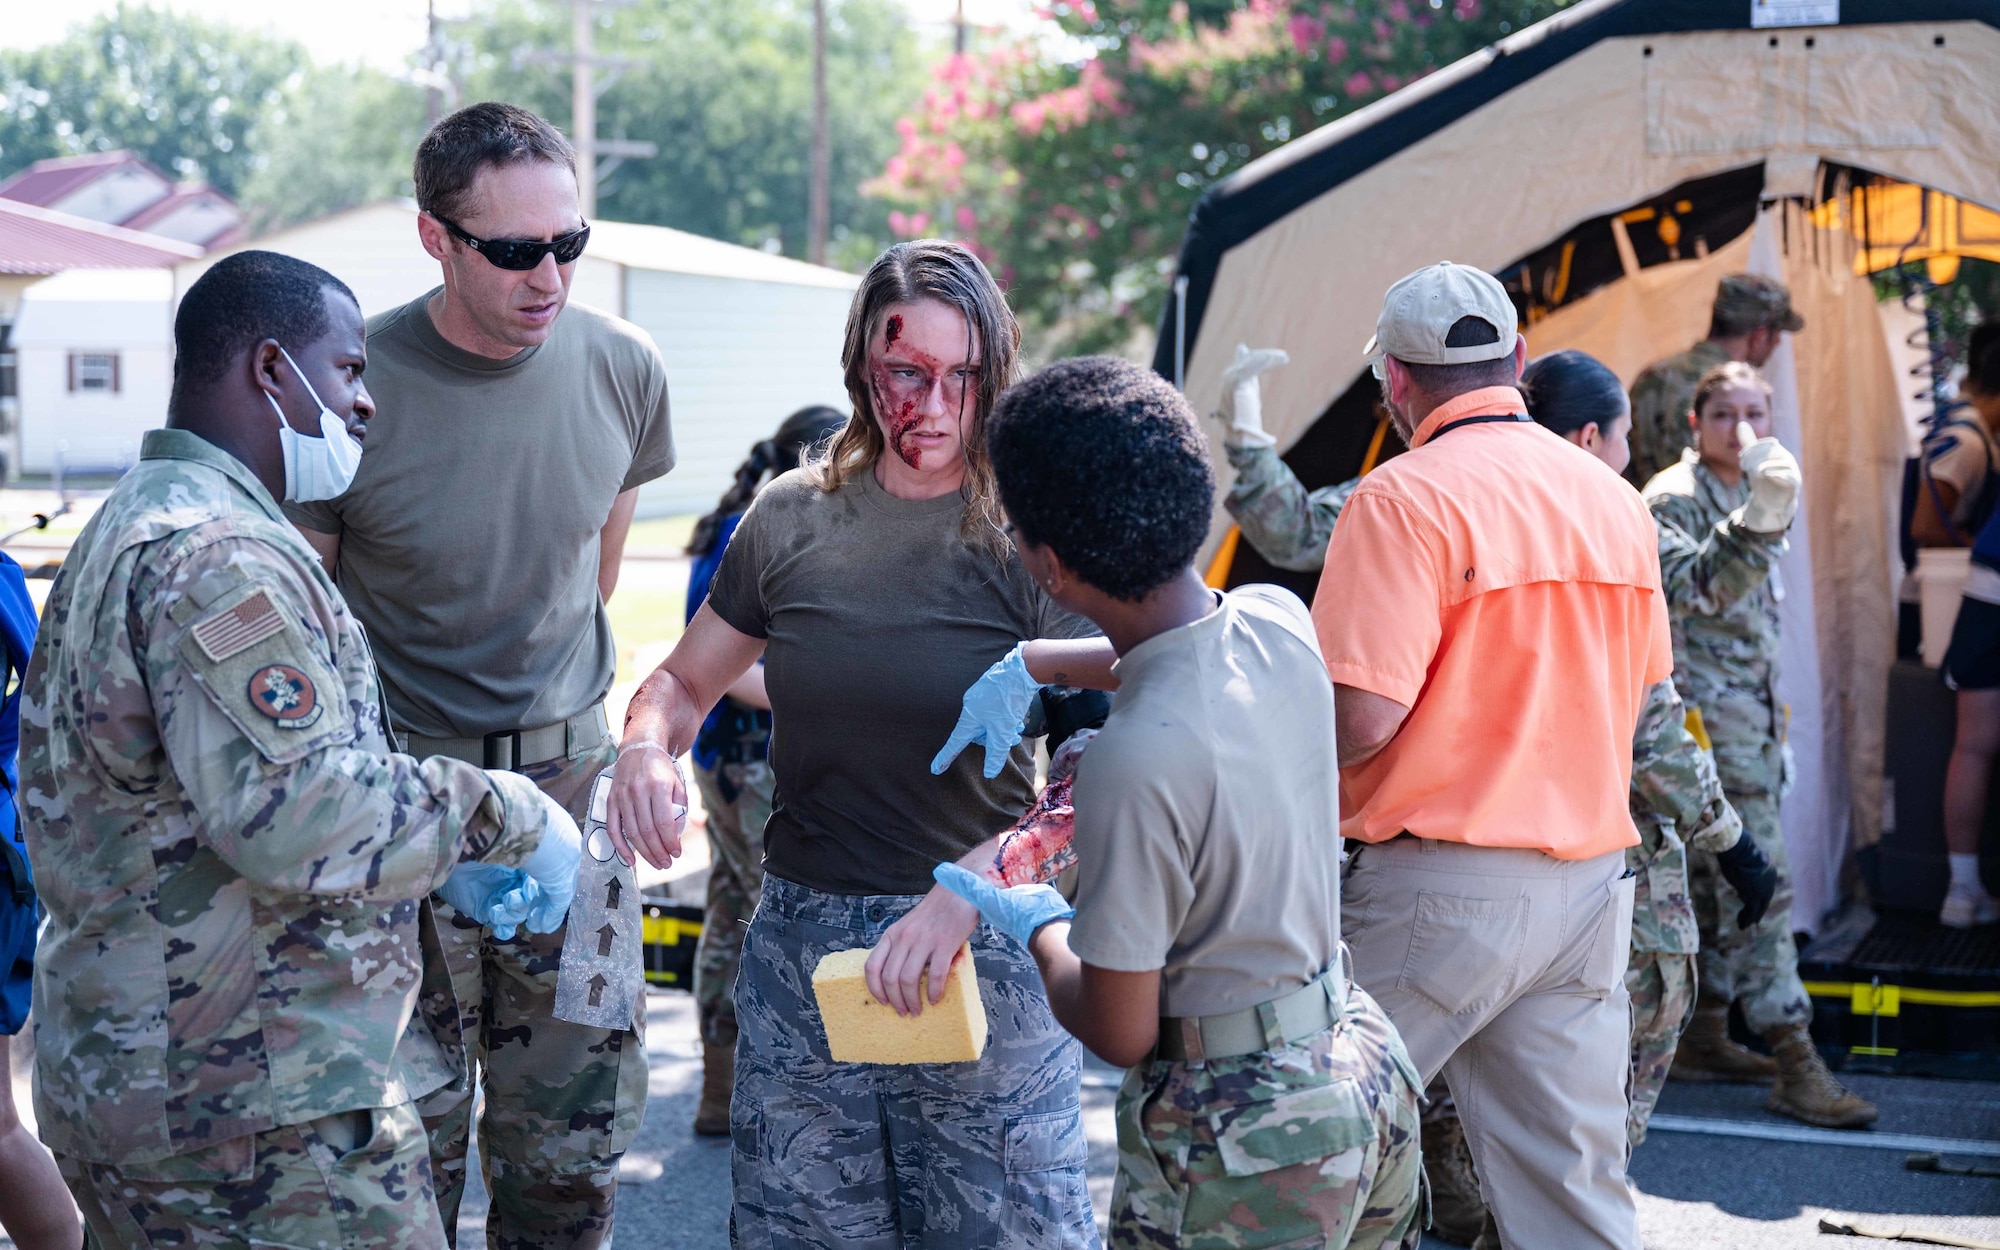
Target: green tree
{"x":1078,"y":175}
{"x":724,"y":88}
{"x":181,"y":92}
{"x":336,"y":138}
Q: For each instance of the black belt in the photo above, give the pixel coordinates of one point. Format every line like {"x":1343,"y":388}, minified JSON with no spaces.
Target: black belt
{"x":1449,"y":426}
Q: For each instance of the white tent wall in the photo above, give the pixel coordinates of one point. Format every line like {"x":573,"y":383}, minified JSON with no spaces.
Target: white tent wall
{"x":1619,"y":121}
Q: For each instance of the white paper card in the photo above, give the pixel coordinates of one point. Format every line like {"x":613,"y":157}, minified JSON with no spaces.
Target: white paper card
{"x":1771,"y":13}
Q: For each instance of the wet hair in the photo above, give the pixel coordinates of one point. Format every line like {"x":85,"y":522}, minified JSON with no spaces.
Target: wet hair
{"x":1448,"y":380}
{"x":480,"y":136}
{"x":1982,"y":359}
{"x":780,"y":453}
{"x":938,"y":270}
{"x":243,"y":299}
{"x":1103,"y":463}
{"x":1725,"y":375}
{"x":1568,"y":390}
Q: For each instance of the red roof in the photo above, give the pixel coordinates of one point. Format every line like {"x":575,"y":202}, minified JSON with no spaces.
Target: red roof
{"x":45,"y":182}
{"x":42,"y":241}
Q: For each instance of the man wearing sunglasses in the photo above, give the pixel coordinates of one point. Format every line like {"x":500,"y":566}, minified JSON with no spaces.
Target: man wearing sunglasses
{"x":478,"y":544}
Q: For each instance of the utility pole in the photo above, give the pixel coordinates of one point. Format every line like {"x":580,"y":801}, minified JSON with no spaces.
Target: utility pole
{"x":958,"y":30}
{"x":819,"y":209}
{"x":585,"y":88}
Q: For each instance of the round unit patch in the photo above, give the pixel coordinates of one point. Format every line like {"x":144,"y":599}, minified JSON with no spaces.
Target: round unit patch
{"x":286,"y":695}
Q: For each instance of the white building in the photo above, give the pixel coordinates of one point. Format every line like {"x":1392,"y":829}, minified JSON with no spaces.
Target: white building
{"x":94,"y":362}
{"x":748,"y":337}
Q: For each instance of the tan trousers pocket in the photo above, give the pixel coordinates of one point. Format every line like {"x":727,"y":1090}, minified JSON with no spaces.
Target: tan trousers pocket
{"x":1611,"y":946}
{"x":1466,"y":952}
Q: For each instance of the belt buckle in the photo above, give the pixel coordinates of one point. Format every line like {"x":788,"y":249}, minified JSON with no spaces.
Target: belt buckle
{"x":490,"y":751}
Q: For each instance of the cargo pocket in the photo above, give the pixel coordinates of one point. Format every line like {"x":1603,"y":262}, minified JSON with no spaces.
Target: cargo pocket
{"x":1046,"y":1200}
{"x":1300,"y":1129}
{"x":1465,"y":952}
{"x":232,"y":1160}
{"x":1611,"y":946}
{"x":633,"y":1079}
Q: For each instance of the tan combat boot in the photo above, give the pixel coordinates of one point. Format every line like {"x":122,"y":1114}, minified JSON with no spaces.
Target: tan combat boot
{"x":718,"y":1076}
{"x":1457,"y":1213}
{"x":1706,"y":1053}
{"x":1805,"y":1090}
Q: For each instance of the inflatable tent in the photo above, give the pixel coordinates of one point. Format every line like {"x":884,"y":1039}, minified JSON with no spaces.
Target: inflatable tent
{"x":1610,"y":164}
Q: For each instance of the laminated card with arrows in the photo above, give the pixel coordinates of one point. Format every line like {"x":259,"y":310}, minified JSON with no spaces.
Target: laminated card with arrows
{"x":601,"y":975}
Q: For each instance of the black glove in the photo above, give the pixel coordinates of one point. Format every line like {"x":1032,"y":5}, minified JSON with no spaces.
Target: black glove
{"x":1752,"y":876}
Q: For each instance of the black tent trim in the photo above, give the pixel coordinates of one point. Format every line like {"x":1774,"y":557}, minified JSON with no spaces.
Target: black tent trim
{"x":1256,"y":198}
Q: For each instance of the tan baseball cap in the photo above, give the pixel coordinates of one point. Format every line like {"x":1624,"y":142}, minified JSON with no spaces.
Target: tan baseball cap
{"x":1420,"y":310}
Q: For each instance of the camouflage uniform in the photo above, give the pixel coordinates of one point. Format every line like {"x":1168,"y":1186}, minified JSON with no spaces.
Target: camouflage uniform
{"x":735,"y":883}
{"x":1678,"y":805}
{"x":1288,"y":527}
{"x":1661,"y":398}
{"x":1311,"y":1144}
{"x":893,"y":1157}
{"x":234,"y":868}
{"x":563,"y":1100}
{"x":1723,"y":591}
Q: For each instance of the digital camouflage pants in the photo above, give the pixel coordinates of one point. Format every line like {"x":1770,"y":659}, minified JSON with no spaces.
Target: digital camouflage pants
{"x":562,"y":1100}
{"x":1311,"y":1144}
{"x":1759,"y":966}
{"x":359,"y":1181}
{"x":988,"y":1154}
{"x":1662,"y":987}
{"x":735,"y":883}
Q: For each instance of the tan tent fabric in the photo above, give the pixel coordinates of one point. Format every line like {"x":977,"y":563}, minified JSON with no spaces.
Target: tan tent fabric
{"x":1623,"y":120}
{"x":1629,"y":325}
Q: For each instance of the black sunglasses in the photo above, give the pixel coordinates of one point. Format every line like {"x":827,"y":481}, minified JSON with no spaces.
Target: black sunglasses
{"x":521,"y":253}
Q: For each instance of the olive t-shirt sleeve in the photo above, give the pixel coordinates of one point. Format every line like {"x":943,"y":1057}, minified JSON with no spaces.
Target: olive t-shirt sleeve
{"x":654,"y":454}
{"x":1051,"y":621}
{"x":737,"y":591}
{"x":1134,"y":886}
{"x":318,"y":515}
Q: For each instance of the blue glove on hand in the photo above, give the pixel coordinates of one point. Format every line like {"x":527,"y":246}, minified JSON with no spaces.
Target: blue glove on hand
{"x":995,"y":712}
{"x":553,"y":868}
{"x":1018,"y":910}
{"x":499,"y":898}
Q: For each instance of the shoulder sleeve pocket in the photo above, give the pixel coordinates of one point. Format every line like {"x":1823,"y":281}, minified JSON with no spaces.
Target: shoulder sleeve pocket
{"x":267,"y":673}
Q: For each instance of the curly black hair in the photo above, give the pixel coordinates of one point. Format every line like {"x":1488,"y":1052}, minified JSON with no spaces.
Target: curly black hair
{"x":1103,"y":462}
{"x":243,"y":299}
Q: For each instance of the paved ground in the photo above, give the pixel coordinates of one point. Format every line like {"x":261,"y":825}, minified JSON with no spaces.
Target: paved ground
{"x":1697,"y":1191}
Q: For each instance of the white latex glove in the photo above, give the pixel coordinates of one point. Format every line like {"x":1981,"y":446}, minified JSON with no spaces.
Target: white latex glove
{"x":1774,"y":483}
{"x":1242,"y":407}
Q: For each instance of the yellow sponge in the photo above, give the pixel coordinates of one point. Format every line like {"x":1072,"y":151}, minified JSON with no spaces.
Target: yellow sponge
{"x":861,"y":1030}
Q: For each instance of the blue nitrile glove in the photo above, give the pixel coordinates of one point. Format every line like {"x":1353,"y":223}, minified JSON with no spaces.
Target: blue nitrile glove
{"x":995,"y":711}
{"x":499,"y":898}
{"x":553,"y":868}
{"x":1019,"y":909}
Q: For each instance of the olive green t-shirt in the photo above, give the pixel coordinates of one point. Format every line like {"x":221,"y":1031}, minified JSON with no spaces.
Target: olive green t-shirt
{"x":469,"y":539}
{"x":1208,"y":811}
{"x":877,"y":616}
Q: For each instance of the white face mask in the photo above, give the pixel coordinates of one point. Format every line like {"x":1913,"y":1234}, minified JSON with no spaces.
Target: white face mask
{"x":315,"y":468}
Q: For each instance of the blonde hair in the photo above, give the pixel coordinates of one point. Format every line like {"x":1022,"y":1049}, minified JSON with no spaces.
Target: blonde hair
{"x":1725,"y":375}
{"x":946,"y":272}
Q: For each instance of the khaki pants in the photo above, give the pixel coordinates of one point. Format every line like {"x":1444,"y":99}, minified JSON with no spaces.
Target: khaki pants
{"x":1505,"y":970}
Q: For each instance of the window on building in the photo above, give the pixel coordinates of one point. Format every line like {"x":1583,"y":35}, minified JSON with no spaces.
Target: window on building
{"x":93,"y":371}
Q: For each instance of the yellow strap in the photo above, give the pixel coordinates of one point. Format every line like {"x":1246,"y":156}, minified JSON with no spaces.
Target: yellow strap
{"x":1699,"y":728}
{"x":1217,"y":576}
{"x":1374,"y":455}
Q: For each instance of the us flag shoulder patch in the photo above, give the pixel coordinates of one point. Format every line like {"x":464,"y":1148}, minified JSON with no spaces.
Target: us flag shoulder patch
{"x":239,"y":628}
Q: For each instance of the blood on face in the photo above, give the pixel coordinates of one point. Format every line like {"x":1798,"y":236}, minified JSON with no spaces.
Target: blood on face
{"x":903,"y":386}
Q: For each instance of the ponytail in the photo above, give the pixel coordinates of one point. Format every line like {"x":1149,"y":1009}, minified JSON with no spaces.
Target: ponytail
{"x":777,"y":454}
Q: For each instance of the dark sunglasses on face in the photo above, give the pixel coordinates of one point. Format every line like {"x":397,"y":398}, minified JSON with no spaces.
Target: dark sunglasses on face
{"x":521,"y":254}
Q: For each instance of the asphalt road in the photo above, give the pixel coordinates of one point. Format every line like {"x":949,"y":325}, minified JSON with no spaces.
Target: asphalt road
{"x":1697,"y":1191}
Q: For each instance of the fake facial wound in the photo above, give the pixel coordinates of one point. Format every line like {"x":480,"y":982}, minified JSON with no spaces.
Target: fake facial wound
{"x":922,"y":366}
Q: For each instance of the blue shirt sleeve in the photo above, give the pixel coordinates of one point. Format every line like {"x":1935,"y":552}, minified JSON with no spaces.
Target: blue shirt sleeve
{"x":706,"y":563}
{"x":17,"y":636}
